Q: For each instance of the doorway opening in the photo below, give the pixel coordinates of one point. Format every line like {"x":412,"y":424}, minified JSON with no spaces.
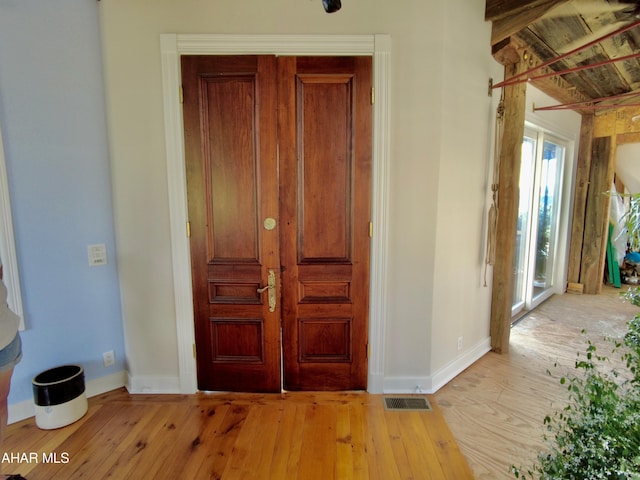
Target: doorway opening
{"x":378,"y":46}
{"x":539,"y":214}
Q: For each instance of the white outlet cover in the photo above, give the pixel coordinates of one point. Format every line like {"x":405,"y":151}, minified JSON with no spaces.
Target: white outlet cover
{"x":108,"y":358}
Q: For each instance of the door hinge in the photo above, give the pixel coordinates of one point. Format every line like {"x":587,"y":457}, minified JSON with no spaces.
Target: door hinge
{"x":370,"y":229}
{"x":194,"y":351}
{"x":373,"y":96}
{"x":368,"y":350}
{"x":181,"y":94}
{"x":188,"y":229}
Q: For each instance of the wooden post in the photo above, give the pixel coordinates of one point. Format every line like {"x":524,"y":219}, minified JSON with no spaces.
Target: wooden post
{"x":596,"y":225}
{"x":579,"y":205}
{"x":508,"y":198}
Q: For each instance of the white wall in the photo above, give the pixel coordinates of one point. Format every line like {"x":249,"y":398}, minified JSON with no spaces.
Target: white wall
{"x":628,"y":165}
{"x":441,"y":130}
{"x":462,"y":302}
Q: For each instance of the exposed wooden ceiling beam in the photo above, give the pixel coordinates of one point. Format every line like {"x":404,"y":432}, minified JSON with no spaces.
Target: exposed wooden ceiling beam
{"x":513,"y":51}
{"x":499,"y":9}
{"x":511,"y":16}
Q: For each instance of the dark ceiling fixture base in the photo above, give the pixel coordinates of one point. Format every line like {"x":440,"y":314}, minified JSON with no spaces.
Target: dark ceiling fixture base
{"x":331,"y":6}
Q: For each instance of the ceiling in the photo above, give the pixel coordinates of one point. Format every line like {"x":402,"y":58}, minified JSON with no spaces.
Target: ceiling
{"x":584,"y":35}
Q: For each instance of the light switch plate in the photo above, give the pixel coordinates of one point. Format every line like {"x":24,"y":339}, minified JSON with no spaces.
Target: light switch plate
{"x":97,"y":254}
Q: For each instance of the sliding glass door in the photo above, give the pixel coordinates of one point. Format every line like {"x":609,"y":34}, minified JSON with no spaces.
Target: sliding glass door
{"x":541,"y":172}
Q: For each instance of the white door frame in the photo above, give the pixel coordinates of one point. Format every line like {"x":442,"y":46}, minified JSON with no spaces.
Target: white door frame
{"x":174,"y":45}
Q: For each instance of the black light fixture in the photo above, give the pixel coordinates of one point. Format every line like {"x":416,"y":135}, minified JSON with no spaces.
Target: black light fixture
{"x":331,"y":6}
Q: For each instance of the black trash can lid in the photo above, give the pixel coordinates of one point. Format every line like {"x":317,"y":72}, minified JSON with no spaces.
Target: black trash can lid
{"x":55,"y":375}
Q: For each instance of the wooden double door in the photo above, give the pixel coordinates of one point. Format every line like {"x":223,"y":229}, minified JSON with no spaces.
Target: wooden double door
{"x":278,"y":155}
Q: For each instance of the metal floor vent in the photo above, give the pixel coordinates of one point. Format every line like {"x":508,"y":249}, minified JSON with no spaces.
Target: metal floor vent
{"x":407,"y":404}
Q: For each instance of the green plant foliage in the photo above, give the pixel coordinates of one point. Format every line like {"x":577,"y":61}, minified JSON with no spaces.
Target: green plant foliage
{"x":597,"y":435}
{"x":632,"y":222}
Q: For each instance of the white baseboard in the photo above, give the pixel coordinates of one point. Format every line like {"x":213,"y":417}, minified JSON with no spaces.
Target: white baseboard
{"x":454,"y":368}
{"x":171,"y":384}
{"x":153,"y":384}
{"x":431,"y":384}
{"x":105,"y":384}
{"x":375,"y":383}
{"x":407,"y":385}
{"x":26,"y":409}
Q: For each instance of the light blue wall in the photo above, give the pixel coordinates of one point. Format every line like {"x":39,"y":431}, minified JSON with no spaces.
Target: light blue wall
{"x":53,"y":125}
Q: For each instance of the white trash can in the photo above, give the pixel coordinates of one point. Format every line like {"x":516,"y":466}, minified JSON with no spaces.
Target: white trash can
{"x":59,"y":396}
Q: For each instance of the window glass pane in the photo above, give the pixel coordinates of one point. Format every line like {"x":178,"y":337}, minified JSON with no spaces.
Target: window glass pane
{"x":547,"y":214}
{"x":540,"y":185}
{"x":524,"y":219}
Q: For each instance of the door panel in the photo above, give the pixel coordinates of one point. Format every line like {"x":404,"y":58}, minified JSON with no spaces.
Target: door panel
{"x":325,"y":170}
{"x":287,"y":139}
{"x":229,"y":115}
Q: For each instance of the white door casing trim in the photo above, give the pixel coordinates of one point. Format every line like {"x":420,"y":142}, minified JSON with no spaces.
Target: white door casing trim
{"x":174,"y":45}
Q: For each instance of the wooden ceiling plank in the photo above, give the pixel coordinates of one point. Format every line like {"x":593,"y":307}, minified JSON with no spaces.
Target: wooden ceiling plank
{"x":579,"y":39}
{"x":519,"y":15}
{"x":564,"y":34}
{"x":500,"y":9}
{"x":588,"y":83}
{"x":545,"y":39}
{"x":624,"y":45}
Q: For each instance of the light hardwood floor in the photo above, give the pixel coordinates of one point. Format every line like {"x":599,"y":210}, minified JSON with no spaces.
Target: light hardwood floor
{"x":241,"y":436}
{"x":496,"y":407}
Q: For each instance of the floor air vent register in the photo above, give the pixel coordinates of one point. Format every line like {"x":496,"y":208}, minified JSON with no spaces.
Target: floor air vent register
{"x":413,"y":404}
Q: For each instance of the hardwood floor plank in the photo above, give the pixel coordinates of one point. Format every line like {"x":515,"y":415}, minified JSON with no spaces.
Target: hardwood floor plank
{"x":308,"y":436}
{"x":131,"y":454}
{"x":92,"y":463}
{"x":422,"y":450}
{"x":259,"y":462}
{"x":286,"y":454}
{"x":397,"y":438}
{"x":357,"y":416}
{"x":152,"y":451}
{"x":204,"y":453}
{"x":124,"y":454}
{"x":253,"y":450}
{"x":74,"y":447}
{"x":345,"y":452}
{"x":28,"y":438}
{"x":382,"y":463}
{"x":186,"y":447}
{"x":318,"y":457}
{"x":446,"y":448}
{"x":224,"y":440}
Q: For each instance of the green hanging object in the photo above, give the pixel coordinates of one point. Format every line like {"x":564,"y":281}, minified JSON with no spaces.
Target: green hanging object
{"x":612,"y":263}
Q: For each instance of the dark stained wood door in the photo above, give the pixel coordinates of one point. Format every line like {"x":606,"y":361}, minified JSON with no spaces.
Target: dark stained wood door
{"x":230,"y":145}
{"x":325,"y":196}
{"x":278,"y":169}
